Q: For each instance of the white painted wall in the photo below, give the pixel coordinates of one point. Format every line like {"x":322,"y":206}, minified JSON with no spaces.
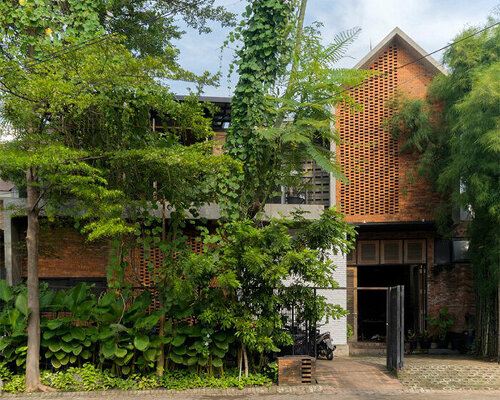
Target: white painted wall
{"x":337,"y":328}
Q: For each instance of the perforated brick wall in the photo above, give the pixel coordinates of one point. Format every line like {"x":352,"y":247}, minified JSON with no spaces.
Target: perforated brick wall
{"x":382,"y":183}
{"x":368,"y":154}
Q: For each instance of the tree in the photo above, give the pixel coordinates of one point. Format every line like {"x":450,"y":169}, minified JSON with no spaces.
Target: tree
{"x":54,"y":172}
{"x":260,"y":271}
{"x":282,"y":109}
{"x":62,"y":86}
{"x":457,"y":132}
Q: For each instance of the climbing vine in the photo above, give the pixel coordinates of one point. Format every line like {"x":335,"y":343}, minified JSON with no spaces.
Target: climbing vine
{"x":282,"y":108}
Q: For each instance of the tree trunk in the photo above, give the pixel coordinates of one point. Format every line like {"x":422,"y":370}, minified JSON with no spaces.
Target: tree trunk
{"x":160,"y":364}
{"x":240,"y":361}
{"x":245,"y":358}
{"x":32,"y":237}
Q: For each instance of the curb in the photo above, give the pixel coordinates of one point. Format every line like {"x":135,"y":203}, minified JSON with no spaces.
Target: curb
{"x":172,"y":393}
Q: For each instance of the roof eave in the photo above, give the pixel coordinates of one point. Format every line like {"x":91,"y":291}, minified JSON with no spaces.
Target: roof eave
{"x":399,"y":36}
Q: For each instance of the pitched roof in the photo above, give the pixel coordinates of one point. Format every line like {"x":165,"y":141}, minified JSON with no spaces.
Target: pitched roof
{"x":401,"y":38}
{"x":6,"y":186}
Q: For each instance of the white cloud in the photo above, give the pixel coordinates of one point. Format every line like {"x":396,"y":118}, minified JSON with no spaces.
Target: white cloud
{"x":431,"y":23}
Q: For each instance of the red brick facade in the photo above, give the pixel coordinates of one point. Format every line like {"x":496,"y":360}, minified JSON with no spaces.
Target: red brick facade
{"x":451,"y":287}
{"x":64,"y":252}
{"x":382,"y":183}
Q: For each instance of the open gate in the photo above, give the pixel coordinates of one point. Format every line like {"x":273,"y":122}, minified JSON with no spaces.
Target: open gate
{"x":395,"y":327}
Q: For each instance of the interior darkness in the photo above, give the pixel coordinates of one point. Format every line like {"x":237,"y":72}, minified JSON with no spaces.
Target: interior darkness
{"x":372,"y":303}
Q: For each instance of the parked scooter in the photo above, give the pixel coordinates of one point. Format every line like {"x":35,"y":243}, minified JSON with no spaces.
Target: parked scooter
{"x":325,"y":346}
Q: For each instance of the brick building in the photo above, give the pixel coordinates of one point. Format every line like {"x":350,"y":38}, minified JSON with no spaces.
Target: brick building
{"x":394,"y":207}
{"x":383,"y":195}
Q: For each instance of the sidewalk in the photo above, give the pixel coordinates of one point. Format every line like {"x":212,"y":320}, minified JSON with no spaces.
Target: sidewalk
{"x":356,"y":374}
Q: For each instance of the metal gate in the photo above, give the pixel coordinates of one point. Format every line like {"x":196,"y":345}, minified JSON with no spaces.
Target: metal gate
{"x":395,"y":328}
{"x":298,"y":320}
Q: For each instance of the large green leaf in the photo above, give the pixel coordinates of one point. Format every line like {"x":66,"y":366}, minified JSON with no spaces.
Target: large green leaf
{"x":77,"y":349}
{"x":192,"y":361}
{"x":180,"y":350}
{"x":65,"y":360}
{"x":220,"y":336}
{"x":178,"y":340}
{"x":126,"y":370}
{"x":217,"y":362}
{"x":218,"y":352}
{"x":150,"y":354}
{"x":105,"y":333}
{"x":68,"y":337}
{"x":55,"y":363}
{"x":108,"y":349}
{"x":85,"y":354}
{"x":78,"y":295}
{"x":55,"y":345}
{"x":120,"y":352}
{"x":54,"y":324}
{"x":67,"y":347}
{"x":141,"y":342}
{"x":5,"y":291}
{"x":176,"y":358}
{"x":48,"y":334}
{"x":22,"y":303}
{"x":202,"y":361}
{"x":4,"y":342}
{"x":78,"y":333}
{"x":222,"y":345}
{"x":149,"y":322}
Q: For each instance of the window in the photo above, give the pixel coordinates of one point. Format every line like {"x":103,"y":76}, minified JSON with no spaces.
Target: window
{"x":392,"y":252}
{"x":415,"y":251}
{"x":368,"y":252}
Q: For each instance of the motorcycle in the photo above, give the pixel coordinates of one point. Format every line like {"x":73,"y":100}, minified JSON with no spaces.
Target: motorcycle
{"x":324,"y":345}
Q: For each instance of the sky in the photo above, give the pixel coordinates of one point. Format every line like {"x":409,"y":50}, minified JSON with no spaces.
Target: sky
{"x":430,"y":23}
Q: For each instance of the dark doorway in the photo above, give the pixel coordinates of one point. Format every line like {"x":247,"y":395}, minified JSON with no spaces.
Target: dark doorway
{"x":372,"y":302}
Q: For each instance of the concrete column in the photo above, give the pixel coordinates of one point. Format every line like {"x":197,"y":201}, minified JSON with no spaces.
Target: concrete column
{"x":13,"y":265}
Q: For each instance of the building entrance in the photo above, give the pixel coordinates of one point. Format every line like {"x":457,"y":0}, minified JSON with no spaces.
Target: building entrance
{"x":372,"y":284}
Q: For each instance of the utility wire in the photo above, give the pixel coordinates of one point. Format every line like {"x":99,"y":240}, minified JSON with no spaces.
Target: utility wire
{"x":422,"y":57}
{"x":103,"y":37}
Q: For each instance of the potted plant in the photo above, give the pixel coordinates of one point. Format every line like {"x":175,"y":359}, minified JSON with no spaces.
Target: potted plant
{"x":441,"y":324}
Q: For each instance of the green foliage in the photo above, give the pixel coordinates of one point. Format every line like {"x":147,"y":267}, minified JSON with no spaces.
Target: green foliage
{"x":271,"y":371}
{"x":282,"y":108}
{"x":5,"y":374}
{"x":13,"y":320}
{"x":88,"y":378}
{"x":17,"y":384}
{"x":116,"y":330}
{"x":457,"y":132}
{"x":441,"y":323}
{"x":263,"y":270}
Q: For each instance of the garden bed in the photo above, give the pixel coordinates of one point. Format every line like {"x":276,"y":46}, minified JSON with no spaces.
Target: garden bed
{"x":89,"y":378}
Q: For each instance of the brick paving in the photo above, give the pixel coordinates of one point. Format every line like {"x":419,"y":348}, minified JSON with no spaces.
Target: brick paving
{"x":449,"y":373}
{"x":356,"y":374}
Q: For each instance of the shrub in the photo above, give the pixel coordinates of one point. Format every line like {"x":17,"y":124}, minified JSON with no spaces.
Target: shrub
{"x":88,"y":378}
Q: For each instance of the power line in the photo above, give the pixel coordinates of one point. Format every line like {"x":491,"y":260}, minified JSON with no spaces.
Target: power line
{"x":103,"y":37}
{"x":422,"y":57}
